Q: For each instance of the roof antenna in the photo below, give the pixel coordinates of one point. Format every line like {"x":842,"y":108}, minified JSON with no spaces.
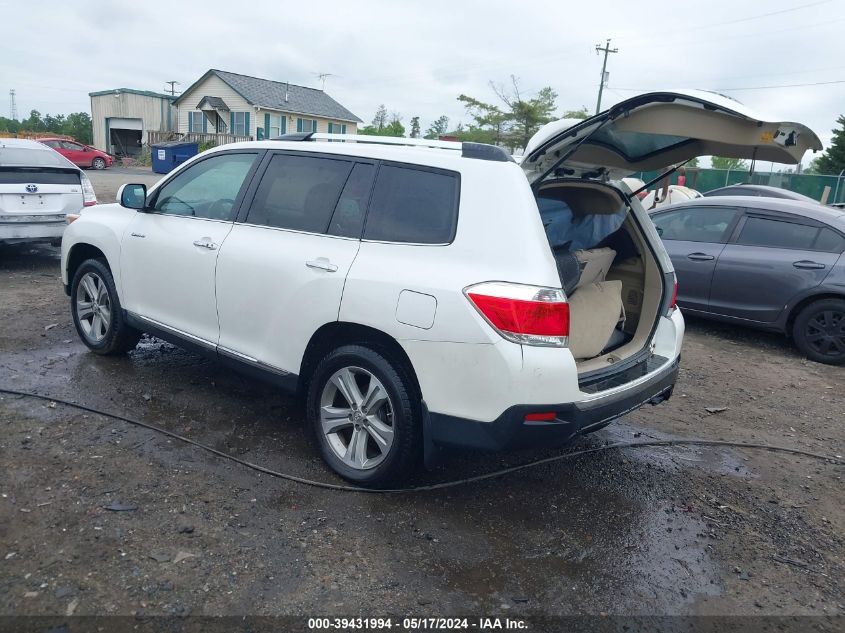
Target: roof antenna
{"x":322,"y":77}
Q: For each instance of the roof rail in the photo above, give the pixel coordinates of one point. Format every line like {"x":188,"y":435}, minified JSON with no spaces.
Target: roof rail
{"x":480,"y":151}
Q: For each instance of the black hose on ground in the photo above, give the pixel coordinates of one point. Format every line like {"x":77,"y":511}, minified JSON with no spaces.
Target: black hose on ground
{"x":440,"y":486}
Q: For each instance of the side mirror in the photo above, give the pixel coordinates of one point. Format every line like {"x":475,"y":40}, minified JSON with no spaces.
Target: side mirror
{"x":132,"y":196}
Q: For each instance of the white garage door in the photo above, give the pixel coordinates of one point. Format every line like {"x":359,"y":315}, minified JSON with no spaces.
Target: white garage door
{"x":126,"y":124}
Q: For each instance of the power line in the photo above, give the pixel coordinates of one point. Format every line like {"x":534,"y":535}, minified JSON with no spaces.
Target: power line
{"x":815,"y":83}
{"x":172,"y":90}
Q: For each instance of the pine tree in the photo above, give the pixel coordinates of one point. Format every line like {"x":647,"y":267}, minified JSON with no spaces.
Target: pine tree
{"x":833,"y":160}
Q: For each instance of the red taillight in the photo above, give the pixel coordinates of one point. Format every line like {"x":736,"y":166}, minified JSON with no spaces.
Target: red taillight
{"x":674,"y":303}
{"x":547,"y":416}
{"x":532,"y":315}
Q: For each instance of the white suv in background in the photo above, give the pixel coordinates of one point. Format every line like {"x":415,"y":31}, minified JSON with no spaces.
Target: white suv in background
{"x":417,"y":293}
{"x":40,"y":192}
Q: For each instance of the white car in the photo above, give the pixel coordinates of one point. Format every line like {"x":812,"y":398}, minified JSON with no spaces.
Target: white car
{"x":417,"y":293}
{"x":40,"y":191}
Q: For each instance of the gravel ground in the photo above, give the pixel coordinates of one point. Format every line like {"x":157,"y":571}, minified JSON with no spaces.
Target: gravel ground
{"x":100,"y":517}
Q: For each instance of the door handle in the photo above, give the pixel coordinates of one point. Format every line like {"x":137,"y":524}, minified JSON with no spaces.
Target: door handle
{"x":700,"y":257}
{"x":206,"y":243}
{"x":808,"y":265}
{"x":321,"y":263}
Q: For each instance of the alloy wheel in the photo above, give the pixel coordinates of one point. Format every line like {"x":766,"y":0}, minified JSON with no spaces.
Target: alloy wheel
{"x":825,"y":333}
{"x":356,"y":418}
{"x":99,"y":163}
{"x":93,"y":307}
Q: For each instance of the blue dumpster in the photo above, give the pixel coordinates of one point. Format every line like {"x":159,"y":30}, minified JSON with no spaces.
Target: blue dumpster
{"x":167,"y":156}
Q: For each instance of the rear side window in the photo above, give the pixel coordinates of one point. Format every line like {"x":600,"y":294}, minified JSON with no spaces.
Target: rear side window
{"x":695,"y":224}
{"x":299,"y":193}
{"x":829,"y":241}
{"x":413,"y":205}
{"x":348,"y":218}
{"x":777,"y":234}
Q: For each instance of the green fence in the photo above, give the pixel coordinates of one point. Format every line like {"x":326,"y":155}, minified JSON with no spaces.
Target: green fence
{"x":809,"y":184}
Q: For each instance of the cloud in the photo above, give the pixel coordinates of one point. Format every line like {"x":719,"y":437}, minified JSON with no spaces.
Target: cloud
{"x":416,"y":57}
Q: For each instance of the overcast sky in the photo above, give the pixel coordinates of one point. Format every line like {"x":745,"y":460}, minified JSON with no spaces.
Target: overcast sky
{"x":416,"y":57}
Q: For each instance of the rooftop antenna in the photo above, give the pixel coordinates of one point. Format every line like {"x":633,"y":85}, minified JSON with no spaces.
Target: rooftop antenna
{"x":322,"y":77}
{"x":172,"y":90}
{"x":13,"y":106}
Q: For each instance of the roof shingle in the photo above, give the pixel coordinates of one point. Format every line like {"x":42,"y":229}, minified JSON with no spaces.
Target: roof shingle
{"x":271,"y":94}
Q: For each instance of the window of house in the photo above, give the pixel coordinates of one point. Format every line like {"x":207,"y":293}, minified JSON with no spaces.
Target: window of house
{"x":239,"y":129}
{"x":275,"y":126}
{"x":207,"y":189}
{"x":306,"y":125}
{"x":337,"y":128}
{"x":413,"y":205}
{"x":195,"y":121}
{"x":777,"y":234}
{"x":696,"y":224}
{"x":299,"y":192}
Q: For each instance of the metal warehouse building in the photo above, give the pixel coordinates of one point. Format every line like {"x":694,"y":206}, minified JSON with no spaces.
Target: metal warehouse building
{"x":122,"y":117}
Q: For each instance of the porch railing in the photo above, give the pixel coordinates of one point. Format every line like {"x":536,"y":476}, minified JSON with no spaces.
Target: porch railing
{"x":156,"y":136}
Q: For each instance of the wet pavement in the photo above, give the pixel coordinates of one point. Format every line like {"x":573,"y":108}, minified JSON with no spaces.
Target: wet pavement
{"x":681,"y":530}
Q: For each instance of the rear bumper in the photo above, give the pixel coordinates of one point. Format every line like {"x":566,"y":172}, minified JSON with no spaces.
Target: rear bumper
{"x":510,"y":430}
{"x":25,"y":231}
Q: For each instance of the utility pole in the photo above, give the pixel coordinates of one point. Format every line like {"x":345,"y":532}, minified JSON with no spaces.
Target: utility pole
{"x":172,"y":89}
{"x":606,"y":49}
{"x":13,"y":107}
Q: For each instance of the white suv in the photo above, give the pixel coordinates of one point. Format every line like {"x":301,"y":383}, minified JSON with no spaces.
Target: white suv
{"x":417,"y":293}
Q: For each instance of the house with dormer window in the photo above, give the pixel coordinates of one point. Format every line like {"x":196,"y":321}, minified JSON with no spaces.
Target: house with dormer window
{"x":245,"y":107}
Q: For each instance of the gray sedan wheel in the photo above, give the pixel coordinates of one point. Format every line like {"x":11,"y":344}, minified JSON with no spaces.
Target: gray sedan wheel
{"x":819,"y":331}
{"x":98,"y":163}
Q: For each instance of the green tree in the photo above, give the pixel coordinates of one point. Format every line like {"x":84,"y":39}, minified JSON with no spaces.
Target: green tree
{"x":734,"y":164}
{"x":527,"y":115}
{"x":380,"y":118}
{"x":33,"y":123}
{"x":582,"y":113}
{"x":79,"y":126}
{"x":490,"y":122}
{"x":438,"y":127}
{"x":693,"y":162}
{"x":833,"y":160}
{"x":415,"y":127}
{"x":9,"y":125}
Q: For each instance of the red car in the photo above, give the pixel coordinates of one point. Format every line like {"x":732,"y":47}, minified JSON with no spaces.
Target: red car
{"x":79,"y":154}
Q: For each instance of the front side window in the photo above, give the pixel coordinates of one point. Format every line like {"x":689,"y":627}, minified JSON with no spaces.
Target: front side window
{"x":777,"y":234}
{"x":299,"y":193}
{"x":696,"y":224}
{"x":207,"y":189}
{"x":413,"y":205}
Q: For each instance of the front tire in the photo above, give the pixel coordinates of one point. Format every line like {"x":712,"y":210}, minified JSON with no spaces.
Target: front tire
{"x":97,"y":314}
{"x":363,"y":408}
{"x":819,"y":331}
{"x":98,"y":163}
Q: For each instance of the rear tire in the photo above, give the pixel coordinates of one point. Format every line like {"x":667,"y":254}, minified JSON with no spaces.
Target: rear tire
{"x":366,"y":416}
{"x":98,"y":163}
{"x":96,"y":310}
{"x":819,"y":331}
